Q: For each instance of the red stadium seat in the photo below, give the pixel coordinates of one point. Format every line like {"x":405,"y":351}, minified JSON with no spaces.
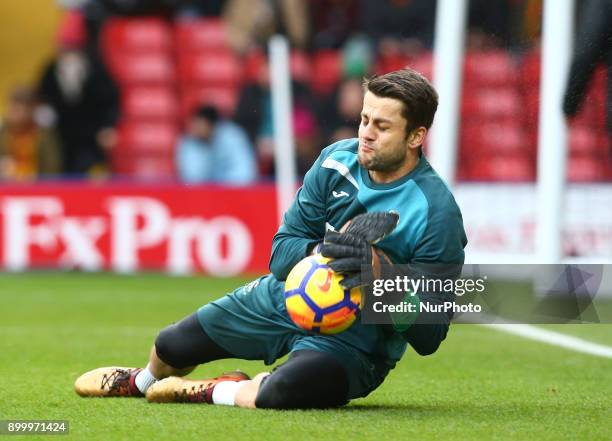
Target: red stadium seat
{"x":154,"y":167}
{"x":423,"y":64}
{"x":223,"y":98}
{"x":584,"y":140}
{"x":150,"y":103}
{"x":586,"y":168}
{"x":252,"y":64}
{"x":201,"y":35}
{"x":136,"y":35}
{"x":600,"y":78}
{"x":212,"y":69}
{"x":501,"y":103}
{"x":300,"y":66}
{"x":491,"y":68}
{"x":145,"y":166}
{"x":506,"y":138}
{"x":531,"y":109}
{"x":530,"y":67}
{"x":141,"y":69}
{"x":502,"y":168}
{"x":326,"y":71}
{"x":150,"y":137}
{"x":392,"y":62}
{"x":531,"y":139}
{"x":592,"y":110}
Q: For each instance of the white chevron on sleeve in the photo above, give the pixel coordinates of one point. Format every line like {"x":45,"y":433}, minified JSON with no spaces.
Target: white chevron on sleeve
{"x":340,"y":168}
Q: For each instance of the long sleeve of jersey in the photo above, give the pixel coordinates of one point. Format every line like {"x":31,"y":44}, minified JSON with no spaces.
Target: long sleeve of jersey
{"x":442,"y":243}
{"x":303,"y":225}
{"x":438,"y":254}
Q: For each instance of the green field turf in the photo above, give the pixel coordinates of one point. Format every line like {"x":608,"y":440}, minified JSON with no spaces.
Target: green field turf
{"x":481,"y":384}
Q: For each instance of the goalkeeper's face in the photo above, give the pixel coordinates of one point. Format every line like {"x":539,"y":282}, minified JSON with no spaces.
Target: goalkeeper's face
{"x":383,"y":144}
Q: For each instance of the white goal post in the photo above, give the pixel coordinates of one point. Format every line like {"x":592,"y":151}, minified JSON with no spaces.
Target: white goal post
{"x":284,"y":144}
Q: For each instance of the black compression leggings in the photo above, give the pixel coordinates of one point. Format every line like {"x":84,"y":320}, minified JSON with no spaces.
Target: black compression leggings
{"x":185,"y":344}
{"x":308,"y":379}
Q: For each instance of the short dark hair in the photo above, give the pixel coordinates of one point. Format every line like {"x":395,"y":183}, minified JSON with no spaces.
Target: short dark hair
{"x":207,"y":112}
{"x":419,"y":97}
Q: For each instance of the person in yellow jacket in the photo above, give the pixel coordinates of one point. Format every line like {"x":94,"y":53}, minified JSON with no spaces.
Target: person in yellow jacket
{"x":27,"y":150}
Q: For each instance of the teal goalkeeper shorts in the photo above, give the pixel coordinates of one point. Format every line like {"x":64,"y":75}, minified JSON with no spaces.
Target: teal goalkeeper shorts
{"x":252,"y":323}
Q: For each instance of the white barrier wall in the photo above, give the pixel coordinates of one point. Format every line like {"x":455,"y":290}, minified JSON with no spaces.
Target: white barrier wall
{"x":500,"y":222}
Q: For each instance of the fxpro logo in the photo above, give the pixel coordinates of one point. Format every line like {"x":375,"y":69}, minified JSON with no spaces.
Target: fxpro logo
{"x":129,"y":225}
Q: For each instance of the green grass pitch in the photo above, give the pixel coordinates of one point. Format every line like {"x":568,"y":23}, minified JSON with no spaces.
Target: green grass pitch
{"x":481,"y":384}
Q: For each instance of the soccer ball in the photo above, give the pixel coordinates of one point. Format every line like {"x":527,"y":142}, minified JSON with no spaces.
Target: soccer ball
{"x":315,"y":300}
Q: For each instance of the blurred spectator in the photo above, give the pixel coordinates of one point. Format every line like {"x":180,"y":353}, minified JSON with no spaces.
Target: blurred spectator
{"x":333,"y":22}
{"x":96,"y":12}
{"x":214,"y":151}
{"x":409,"y":22}
{"x":493,"y":23}
{"x":199,"y":8}
{"x":254,"y":114}
{"x":530,"y":22}
{"x":358,"y":56}
{"x":341,"y":113}
{"x":593,"y":45}
{"x":307,"y":143}
{"x":254,"y":111}
{"x":84,"y":99}
{"x":252,"y":22}
{"x":27,"y":151}
{"x":139,"y":7}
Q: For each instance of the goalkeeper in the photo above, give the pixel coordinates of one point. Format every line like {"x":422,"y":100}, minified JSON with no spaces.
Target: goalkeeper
{"x":383,"y":184}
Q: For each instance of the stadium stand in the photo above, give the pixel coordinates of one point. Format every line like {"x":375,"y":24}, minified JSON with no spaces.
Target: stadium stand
{"x":166,"y":69}
{"x":326,"y":70}
{"x":589,"y":145}
{"x":140,"y":55}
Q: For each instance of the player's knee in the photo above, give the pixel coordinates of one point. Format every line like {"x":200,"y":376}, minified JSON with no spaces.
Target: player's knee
{"x":170,"y":348}
{"x":309,"y":380}
{"x":275,"y":393}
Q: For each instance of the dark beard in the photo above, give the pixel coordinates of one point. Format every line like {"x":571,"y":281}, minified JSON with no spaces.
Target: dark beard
{"x":385,"y":164}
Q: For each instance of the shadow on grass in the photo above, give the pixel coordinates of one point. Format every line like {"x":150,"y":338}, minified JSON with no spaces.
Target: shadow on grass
{"x":381,"y":407}
{"x":457,"y":409}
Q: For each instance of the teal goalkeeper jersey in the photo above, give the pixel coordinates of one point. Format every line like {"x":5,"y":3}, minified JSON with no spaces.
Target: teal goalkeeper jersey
{"x":336,"y":189}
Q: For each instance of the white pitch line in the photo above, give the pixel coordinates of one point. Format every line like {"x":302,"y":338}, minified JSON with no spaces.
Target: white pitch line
{"x":554,"y":339}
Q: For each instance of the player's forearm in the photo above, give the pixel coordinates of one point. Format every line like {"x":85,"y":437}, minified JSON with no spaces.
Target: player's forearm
{"x":425,"y":339}
{"x":287,"y":251}
{"x":424,"y":330}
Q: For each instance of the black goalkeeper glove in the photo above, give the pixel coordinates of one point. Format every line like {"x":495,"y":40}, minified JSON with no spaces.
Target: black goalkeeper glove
{"x":351,"y":250}
{"x":374,"y":226}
